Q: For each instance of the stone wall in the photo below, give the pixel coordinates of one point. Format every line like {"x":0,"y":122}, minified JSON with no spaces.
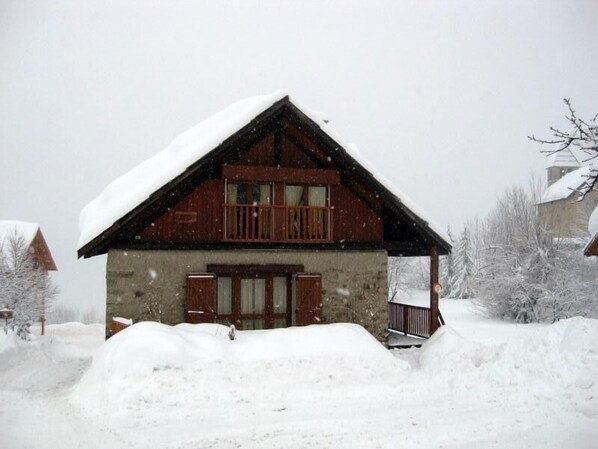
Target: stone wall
{"x":143,"y":285}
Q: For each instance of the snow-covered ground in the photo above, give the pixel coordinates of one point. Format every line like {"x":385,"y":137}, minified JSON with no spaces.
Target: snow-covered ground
{"x":478,"y":383}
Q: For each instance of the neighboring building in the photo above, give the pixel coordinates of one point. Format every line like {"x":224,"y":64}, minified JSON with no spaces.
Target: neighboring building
{"x":559,"y":210}
{"x":261,"y":217}
{"x":34,"y":240}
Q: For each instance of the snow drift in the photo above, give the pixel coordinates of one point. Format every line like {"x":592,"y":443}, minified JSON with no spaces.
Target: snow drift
{"x":162,"y":365}
{"x":544,"y":362}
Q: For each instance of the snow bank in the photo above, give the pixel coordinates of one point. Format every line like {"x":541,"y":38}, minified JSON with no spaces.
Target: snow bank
{"x":562,"y":357}
{"x":162,"y":365}
{"x":134,"y":187}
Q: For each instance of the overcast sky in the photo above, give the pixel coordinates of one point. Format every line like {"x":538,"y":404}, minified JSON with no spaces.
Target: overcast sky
{"x":439,"y":95}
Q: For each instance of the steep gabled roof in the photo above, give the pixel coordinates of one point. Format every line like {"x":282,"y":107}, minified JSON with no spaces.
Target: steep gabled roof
{"x":198,"y":151}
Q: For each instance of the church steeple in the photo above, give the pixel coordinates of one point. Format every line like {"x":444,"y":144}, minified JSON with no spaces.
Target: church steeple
{"x":559,"y":164}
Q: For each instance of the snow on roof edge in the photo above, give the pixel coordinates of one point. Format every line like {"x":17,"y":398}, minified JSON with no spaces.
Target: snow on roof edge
{"x":354,"y":152}
{"x":143,"y":180}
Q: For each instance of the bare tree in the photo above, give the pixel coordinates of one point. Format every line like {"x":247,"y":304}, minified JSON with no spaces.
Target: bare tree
{"x":25,"y":287}
{"x":582,"y":136}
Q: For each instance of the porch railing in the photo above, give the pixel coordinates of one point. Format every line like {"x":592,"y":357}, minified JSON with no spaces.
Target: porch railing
{"x":413,"y":320}
{"x":250,"y":223}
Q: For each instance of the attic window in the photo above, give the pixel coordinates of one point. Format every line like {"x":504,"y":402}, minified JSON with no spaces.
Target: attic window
{"x":185,"y":217}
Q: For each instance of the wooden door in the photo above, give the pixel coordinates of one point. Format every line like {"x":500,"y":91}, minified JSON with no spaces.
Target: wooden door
{"x":308,"y":291}
{"x":201,"y":298}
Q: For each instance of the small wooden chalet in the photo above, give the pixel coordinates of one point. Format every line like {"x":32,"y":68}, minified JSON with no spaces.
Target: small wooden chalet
{"x":33,"y":239}
{"x":261,"y":217}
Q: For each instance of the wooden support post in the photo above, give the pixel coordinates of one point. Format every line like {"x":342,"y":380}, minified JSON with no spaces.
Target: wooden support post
{"x":433,"y":289}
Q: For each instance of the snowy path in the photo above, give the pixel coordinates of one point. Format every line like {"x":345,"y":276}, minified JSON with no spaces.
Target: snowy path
{"x":496,"y":385}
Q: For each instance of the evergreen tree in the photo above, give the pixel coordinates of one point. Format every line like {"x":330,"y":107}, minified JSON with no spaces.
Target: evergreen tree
{"x":448,"y":268}
{"x":463,"y":278}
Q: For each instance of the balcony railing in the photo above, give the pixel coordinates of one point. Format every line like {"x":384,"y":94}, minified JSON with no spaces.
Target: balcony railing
{"x":300,"y":224}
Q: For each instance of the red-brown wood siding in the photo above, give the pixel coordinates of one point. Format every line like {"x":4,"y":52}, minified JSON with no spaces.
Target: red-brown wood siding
{"x":353,"y":220}
{"x":293,"y":156}
{"x":198,"y":218}
{"x":261,"y":153}
{"x":306,"y":142}
{"x":206,"y":201}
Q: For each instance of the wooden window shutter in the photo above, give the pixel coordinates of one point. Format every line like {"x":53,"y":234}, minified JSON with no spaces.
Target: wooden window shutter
{"x":308,"y":290}
{"x":201,"y":298}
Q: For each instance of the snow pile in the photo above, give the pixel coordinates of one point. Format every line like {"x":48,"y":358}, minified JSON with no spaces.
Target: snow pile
{"x":550,"y":362}
{"x":188,"y":364}
{"x":134,"y":187}
{"x":564,"y":187}
{"x":478,"y":383}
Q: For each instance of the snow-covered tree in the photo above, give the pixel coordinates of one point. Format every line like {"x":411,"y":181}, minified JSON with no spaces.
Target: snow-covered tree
{"x":462,"y":281}
{"x":25,"y":287}
{"x":583,"y":135}
{"x":527,"y":276}
{"x":447,"y":268}
{"x":398,"y":268}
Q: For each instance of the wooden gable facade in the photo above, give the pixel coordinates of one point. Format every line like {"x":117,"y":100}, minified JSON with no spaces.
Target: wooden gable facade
{"x":279,"y":185}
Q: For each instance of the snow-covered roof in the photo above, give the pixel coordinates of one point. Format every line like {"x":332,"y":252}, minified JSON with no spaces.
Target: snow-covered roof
{"x":27,"y":231}
{"x":131,"y":189}
{"x":564,"y":158}
{"x":565,"y":187}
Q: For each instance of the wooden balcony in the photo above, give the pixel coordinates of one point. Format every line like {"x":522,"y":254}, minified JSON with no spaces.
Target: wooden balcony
{"x":259,"y":223}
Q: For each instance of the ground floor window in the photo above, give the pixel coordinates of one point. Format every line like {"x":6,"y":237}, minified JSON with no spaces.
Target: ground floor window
{"x":251,"y":298}
{"x":254,"y":297}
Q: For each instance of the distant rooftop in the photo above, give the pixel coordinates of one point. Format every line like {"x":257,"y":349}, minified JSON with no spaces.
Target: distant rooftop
{"x":567,"y":185}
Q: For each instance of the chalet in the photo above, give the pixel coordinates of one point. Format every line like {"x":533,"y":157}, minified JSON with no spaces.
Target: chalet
{"x":32,"y":237}
{"x":262,"y":217}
